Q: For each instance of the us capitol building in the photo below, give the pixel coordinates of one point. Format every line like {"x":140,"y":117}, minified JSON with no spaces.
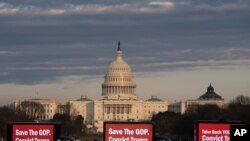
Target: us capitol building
{"x":118,"y":101}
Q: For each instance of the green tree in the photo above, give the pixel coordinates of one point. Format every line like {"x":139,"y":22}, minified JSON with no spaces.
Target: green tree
{"x":72,"y":127}
{"x":204,"y":112}
{"x":65,"y":121}
{"x":165,"y":122}
{"x":79,"y":125}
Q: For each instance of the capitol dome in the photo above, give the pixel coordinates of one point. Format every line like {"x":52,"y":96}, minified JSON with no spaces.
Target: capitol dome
{"x":210,"y":94}
{"x":118,"y":81}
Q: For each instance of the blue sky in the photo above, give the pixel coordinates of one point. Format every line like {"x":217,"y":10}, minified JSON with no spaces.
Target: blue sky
{"x":61,"y":49}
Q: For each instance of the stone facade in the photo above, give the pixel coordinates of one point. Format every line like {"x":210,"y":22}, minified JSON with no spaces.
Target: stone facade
{"x":40,"y":109}
{"x":83,"y":107}
{"x":210,"y":97}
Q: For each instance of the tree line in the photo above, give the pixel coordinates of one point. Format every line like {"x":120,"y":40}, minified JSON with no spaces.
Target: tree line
{"x":182,"y":125}
{"x":69,"y":126}
{"x":166,"y":123}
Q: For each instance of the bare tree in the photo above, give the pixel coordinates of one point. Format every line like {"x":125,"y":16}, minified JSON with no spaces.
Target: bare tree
{"x":8,"y":114}
{"x":241,"y":100}
{"x":32,"y":109}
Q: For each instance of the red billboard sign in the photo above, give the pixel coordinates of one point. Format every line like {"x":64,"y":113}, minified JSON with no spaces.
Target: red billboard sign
{"x":128,"y":131}
{"x":32,"y":131}
{"x":213,"y":131}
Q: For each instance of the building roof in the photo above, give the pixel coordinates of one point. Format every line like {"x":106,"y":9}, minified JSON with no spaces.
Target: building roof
{"x":210,"y":94}
{"x":154,"y":99}
{"x":40,"y":100}
{"x":84,"y":98}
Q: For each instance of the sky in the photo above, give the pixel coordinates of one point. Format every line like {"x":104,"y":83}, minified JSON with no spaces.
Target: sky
{"x":61,"y":49}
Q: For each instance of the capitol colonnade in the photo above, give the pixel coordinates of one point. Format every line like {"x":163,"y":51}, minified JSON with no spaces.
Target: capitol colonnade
{"x":117,"y":108}
{"x":127,"y":90}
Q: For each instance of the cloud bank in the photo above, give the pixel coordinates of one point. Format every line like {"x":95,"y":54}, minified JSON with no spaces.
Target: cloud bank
{"x":45,"y":40}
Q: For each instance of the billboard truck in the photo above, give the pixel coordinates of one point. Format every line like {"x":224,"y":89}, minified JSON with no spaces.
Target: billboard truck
{"x":33,"y":131}
{"x":215,"y":130}
{"x":128,"y":131}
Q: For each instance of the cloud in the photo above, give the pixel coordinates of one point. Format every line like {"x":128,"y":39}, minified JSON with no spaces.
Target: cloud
{"x":206,"y":54}
{"x":180,"y":65}
{"x":3,"y":73}
{"x":72,"y":68}
{"x":223,"y":7}
{"x":86,"y":9}
{"x":128,"y":8}
{"x":162,"y":3}
{"x":5,"y":52}
{"x":56,"y":11}
{"x":8,"y":9}
{"x":137,"y":58}
{"x":49,"y":39}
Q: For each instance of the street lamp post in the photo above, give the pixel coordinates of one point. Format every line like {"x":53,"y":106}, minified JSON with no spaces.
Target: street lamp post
{"x":103,"y":109}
